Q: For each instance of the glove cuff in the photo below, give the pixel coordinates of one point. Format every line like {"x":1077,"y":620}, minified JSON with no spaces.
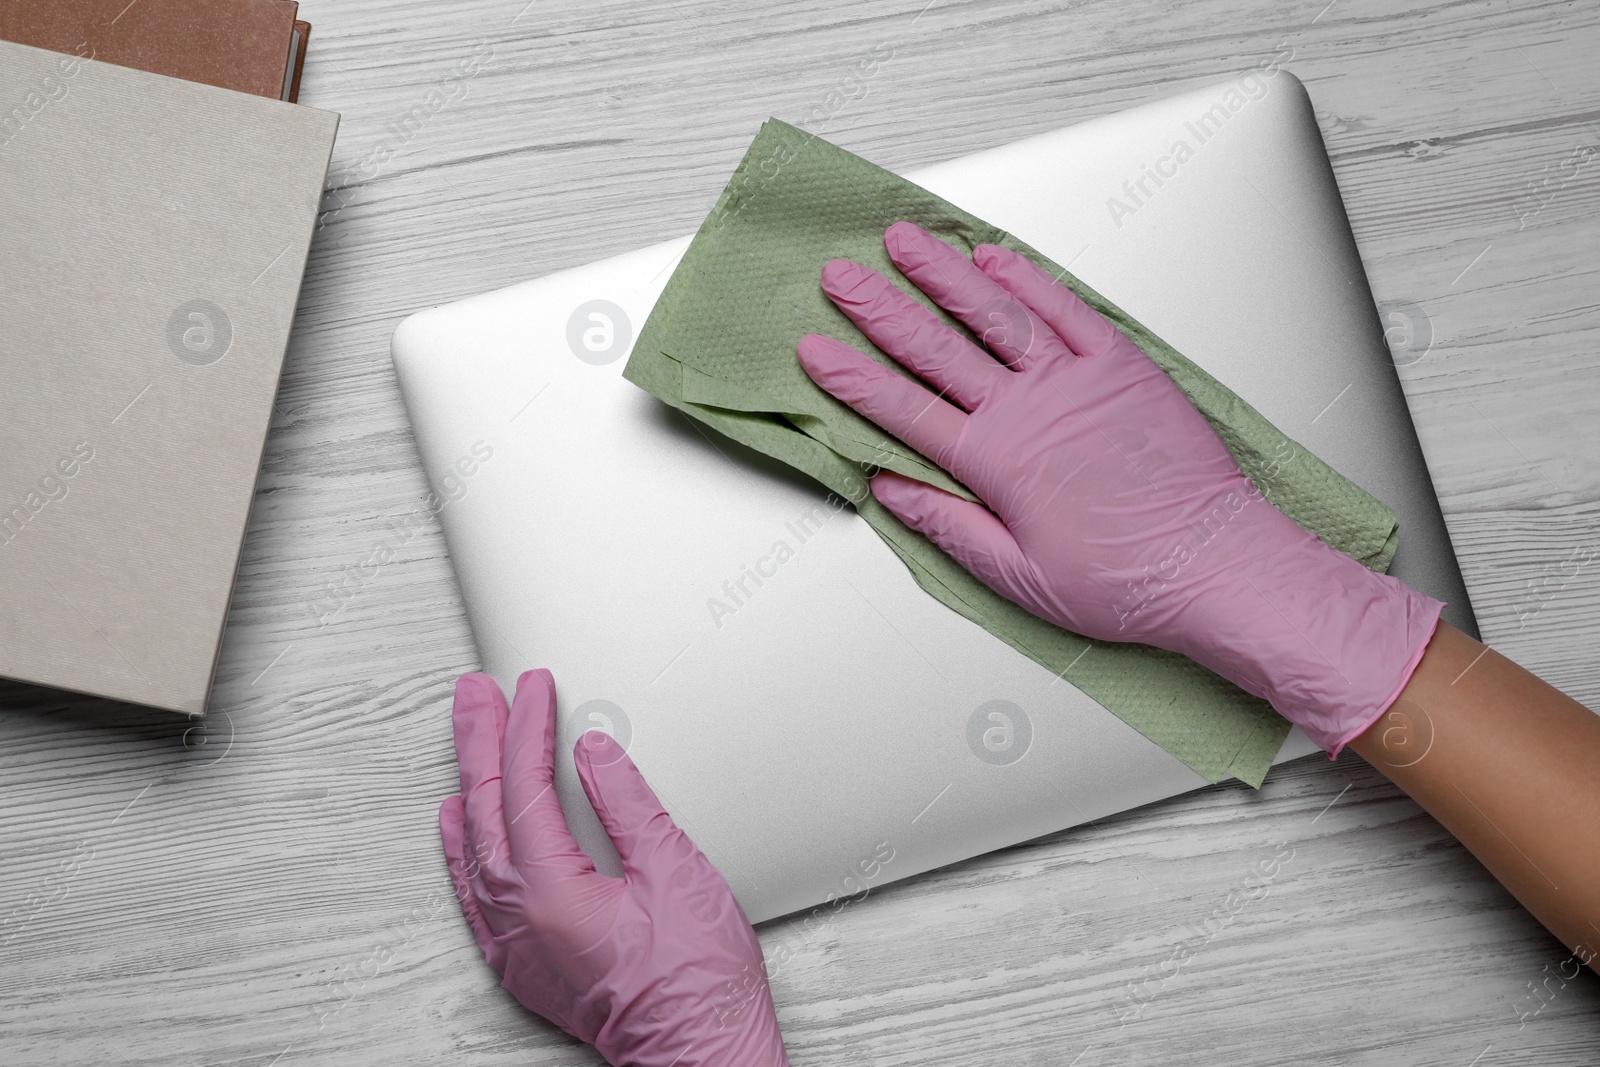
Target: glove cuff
{"x":1329,"y":643}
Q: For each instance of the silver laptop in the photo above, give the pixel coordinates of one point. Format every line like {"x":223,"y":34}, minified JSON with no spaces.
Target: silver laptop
{"x":842,"y":729}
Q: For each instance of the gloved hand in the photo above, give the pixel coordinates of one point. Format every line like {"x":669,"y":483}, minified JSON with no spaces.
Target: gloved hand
{"x":659,"y":967}
{"x":1113,"y":509}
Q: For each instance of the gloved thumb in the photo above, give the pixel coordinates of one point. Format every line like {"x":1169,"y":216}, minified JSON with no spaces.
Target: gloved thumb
{"x":969,"y":533}
{"x":644,"y":834}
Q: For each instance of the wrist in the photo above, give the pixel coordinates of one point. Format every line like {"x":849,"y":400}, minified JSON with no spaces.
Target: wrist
{"x":1326,"y":641}
{"x":735,"y":1027}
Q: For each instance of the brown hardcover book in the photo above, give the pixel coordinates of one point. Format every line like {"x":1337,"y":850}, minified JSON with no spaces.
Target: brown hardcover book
{"x":302,"y":41}
{"x":253,"y":46}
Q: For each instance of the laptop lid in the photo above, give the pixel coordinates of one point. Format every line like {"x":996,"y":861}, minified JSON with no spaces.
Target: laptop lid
{"x":842,"y":729}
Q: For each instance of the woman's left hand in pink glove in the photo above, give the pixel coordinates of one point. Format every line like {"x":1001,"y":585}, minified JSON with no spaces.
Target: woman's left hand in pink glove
{"x":659,"y":967}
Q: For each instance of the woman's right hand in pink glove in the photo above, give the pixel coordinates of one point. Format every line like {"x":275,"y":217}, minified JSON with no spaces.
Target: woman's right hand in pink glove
{"x":658,"y":968}
{"x":1110,"y":506}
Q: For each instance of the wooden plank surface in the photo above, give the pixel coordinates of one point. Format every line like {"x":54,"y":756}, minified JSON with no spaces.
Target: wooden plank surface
{"x":268,"y":888}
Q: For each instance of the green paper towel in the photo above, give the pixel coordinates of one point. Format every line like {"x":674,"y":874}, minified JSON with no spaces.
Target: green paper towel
{"x":720,"y":346}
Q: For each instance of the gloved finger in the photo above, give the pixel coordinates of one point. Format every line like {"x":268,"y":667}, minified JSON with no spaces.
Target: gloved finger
{"x":479,"y":718}
{"x":902,"y":407}
{"x":453,"y":833}
{"x":969,"y":533}
{"x":535,"y":824}
{"x":1084,"y":329}
{"x":646,"y":838}
{"x":1017,"y":337}
{"x":912,"y":334}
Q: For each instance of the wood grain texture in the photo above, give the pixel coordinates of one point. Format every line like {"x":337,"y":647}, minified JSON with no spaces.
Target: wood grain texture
{"x":268,"y":889}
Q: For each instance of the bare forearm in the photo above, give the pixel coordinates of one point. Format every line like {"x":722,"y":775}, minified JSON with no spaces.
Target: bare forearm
{"x":1511,"y":766}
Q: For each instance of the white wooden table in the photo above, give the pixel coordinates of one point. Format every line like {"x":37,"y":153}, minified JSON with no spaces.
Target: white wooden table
{"x":269,"y":889}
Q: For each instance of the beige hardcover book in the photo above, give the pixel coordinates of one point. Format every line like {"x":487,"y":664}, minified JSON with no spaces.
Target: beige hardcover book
{"x":153,"y":238}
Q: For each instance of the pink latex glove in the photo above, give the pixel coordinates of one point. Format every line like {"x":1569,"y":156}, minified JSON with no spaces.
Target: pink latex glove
{"x":1114,"y":510}
{"x":659,"y":967}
